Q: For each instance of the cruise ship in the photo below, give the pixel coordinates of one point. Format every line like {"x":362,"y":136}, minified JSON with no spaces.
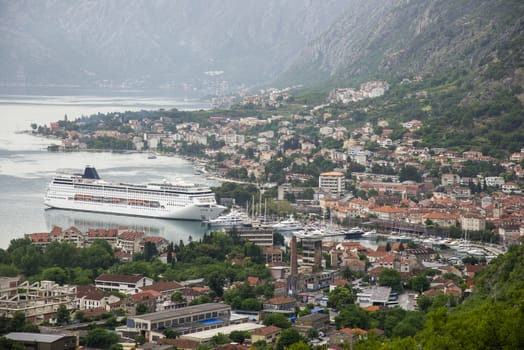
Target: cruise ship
{"x":74,"y":190}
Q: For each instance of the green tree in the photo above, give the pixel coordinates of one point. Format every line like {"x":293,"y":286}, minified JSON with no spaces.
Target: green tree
{"x":391,"y":278}
{"x":150,"y":251}
{"x":299,"y":346}
{"x":419,"y":283}
{"x":79,"y":316}
{"x":278,"y":320}
{"x":62,"y":314}
{"x":251,"y":304}
{"x":409,"y":172}
{"x":238,"y":336}
{"x":100,"y":338}
{"x":9,"y":344}
{"x":170,"y":334}
{"x":352,"y":316}
{"x":278,"y":239}
{"x":61,"y":254}
{"x":56,"y":274}
{"x":17,"y":323}
{"x":220,"y":339}
{"x":287,"y":338}
{"x":26,"y":256}
{"x":216,"y":282}
{"x":340,"y":297}
{"x":141,"y":309}
{"x":140,"y":339}
{"x":98,"y":255}
{"x":177,"y":297}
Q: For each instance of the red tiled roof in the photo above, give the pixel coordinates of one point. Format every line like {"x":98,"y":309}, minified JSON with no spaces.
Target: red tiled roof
{"x":281,"y":300}
{"x":267,"y":330}
{"x":56,"y":230}
{"x":252,"y":281}
{"x":145,"y":295}
{"x":119,"y":278}
{"x":179,"y":343}
{"x":130,"y":235}
{"x":163,"y":286}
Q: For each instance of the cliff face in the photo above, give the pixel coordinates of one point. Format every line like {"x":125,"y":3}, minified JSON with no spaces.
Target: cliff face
{"x":156,"y":43}
{"x":414,"y":37}
{"x":174,"y":43}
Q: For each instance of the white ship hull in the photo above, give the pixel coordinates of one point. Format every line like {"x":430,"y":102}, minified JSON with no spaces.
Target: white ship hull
{"x":192,"y":212}
{"x":166,"y":201}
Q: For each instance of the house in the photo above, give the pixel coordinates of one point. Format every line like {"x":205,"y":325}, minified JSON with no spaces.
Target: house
{"x":472,"y":222}
{"x":450,"y":179}
{"x":90,"y":297}
{"x":43,"y":341}
{"x":122,"y":283}
{"x":440,"y":219}
{"x":272,"y":255}
{"x":165,"y":287}
{"x":129,"y":241}
{"x":316,"y":320}
{"x":147,"y":300}
{"x":338,"y":283}
{"x":166,"y":290}
{"x":283,"y":305}
{"x":268,"y":334}
{"x":181,"y":344}
{"x":389,"y":213}
{"x":185,"y":320}
{"x":347,"y":336}
{"x":380,"y":296}
{"x":511,"y":187}
{"x":472,"y":270}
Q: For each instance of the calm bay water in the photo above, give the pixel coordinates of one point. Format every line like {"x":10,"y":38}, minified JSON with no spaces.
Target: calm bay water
{"x":26,"y":167}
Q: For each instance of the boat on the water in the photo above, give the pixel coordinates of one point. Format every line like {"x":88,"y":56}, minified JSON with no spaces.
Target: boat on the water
{"x":354,"y":232}
{"x":74,"y":190}
{"x":288,"y":225}
{"x":232,"y":219}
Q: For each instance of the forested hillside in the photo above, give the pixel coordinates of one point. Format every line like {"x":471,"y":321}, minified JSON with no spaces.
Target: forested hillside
{"x":491,"y":318}
{"x":458,"y":66}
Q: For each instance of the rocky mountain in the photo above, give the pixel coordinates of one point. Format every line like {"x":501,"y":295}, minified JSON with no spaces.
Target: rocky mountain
{"x":205,"y":45}
{"x":403,"y":38}
{"x":160,"y":43}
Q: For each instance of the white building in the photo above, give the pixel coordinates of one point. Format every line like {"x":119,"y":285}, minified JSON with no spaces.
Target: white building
{"x":333,"y":182}
{"x":493,"y":181}
{"x":122,"y":283}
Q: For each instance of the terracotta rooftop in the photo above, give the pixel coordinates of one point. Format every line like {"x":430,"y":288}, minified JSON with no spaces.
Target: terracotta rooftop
{"x":267,"y":330}
{"x":119,"y":278}
{"x":281,"y":300}
{"x":163,"y":286}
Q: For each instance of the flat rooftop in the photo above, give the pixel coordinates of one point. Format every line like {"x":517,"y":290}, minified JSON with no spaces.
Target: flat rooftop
{"x":184,"y":311}
{"x":207,"y":335}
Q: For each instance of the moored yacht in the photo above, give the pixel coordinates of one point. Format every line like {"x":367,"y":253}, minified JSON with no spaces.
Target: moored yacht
{"x":289,"y":224}
{"x":233,"y":218}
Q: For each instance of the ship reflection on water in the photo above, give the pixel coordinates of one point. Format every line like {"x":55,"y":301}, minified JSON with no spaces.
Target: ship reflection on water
{"x":172,"y":230}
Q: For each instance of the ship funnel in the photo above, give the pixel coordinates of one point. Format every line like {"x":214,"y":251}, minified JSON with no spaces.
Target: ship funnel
{"x":90,"y":173}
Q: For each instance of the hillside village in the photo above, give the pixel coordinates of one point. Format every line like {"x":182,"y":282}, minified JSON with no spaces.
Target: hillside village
{"x":298,"y":279}
{"x":326,"y":166}
{"x":378,"y":171}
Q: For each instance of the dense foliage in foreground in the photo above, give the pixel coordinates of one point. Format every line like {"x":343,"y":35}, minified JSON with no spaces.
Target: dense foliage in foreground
{"x":491,"y":318}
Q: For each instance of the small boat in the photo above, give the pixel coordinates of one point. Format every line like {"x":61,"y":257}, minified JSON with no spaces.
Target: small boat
{"x":354,"y":232}
{"x":288,"y":225}
{"x":370,"y":234}
{"x":229,"y":220}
